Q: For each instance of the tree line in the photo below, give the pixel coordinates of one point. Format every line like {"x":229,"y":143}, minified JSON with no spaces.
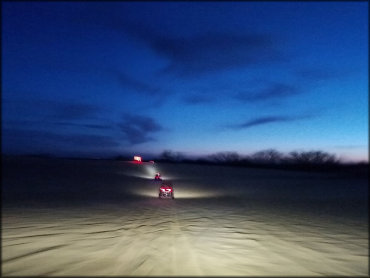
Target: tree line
{"x":272,"y":158}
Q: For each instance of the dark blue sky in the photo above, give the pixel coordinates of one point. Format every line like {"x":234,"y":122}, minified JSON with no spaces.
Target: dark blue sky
{"x":97,"y":78}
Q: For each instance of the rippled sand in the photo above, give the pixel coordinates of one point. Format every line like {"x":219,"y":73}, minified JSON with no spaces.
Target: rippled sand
{"x":207,"y":230}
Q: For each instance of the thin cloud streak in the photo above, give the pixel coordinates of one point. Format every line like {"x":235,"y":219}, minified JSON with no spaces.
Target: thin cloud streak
{"x":275,"y":91}
{"x":197,"y":99}
{"x":52,"y":109}
{"x":92,"y":126}
{"x":44,"y":140}
{"x":267,"y":120}
{"x":26,"y":124}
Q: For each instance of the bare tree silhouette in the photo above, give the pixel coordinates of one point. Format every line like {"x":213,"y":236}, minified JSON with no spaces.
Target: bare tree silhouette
{"x":264,"y":158}
{"x":312,"y":157}
{"x":269,"y":156}
{"x":224,"y":157}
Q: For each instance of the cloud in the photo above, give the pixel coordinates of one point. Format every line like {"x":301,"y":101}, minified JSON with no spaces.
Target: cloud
{"x":198,"y":99}
{"x":90,"y":141}
{"x":275,"y":91}
{"x":29,"y":124}
{"x":74,"y":110}
{"x":201,"y":53}
{"x":32,"y":140}
{"x":52,"y":116}
{"x":49,"y":109}
{"x":268,"y":120}
{"x":38,"y":136}
{"x":212,"y":52}
{"x":86,"y":125}
{"x":191,"y":55}
{"x":136,"y":85}
{"x":138,"y":129}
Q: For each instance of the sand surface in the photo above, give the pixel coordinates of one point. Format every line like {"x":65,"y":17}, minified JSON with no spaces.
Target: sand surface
{"x":77,"y":217}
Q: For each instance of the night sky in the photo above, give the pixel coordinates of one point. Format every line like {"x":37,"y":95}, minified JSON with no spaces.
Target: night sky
{"x":101,"y":79}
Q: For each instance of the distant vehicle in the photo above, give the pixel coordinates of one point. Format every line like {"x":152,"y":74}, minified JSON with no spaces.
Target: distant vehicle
{"x":137,"y":158}
{"x":166,"y":191}
{"x":151,"y":161}
{"x":158,"y":177}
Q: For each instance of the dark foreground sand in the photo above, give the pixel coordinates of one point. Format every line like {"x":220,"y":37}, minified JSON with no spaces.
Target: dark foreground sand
{"x":76,"y":217}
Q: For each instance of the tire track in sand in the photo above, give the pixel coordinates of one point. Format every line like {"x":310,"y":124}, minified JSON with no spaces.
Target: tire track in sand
{"x":185,"y":260}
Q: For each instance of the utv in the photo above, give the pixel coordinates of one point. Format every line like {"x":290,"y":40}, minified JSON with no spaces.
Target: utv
{"x":157,"y":177}
{"x":166,"y":191}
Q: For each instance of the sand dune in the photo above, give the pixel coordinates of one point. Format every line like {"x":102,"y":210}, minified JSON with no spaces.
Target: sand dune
{"x":87,"y":218}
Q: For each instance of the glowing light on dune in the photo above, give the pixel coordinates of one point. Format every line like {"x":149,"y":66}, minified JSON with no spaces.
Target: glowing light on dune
{"x":144,"y":170}
{"x":180,"y":193}
{"x":194,"y":194}
{"x":150,"y":171}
